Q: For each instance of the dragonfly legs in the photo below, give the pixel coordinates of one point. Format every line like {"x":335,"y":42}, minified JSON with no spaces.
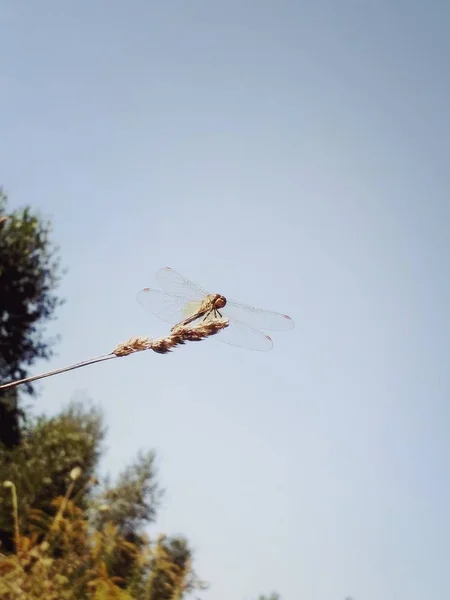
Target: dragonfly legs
{"x":215,"y":312}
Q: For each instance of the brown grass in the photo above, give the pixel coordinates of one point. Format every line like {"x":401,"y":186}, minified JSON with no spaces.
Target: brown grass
{"x":179,"y":335}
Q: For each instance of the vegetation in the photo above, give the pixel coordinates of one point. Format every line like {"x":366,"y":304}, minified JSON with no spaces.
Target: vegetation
{"x":72,"y":536}
{"x":29,"y":275}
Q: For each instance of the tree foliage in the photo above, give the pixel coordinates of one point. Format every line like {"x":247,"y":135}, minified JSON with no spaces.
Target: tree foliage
{"x":40,"y":465}
{"x":79,"y":537}
{"x":135,"y":497}
{"x":29,"y":276}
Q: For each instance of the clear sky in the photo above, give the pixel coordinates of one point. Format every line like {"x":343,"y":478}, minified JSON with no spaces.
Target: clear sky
{"x":292,"y":155}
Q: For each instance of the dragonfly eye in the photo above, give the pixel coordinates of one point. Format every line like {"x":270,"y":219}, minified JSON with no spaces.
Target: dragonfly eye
{"x":220,"y":302}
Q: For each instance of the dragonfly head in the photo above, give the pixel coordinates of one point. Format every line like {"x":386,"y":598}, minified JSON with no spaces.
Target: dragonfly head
{"x":219,"y":301}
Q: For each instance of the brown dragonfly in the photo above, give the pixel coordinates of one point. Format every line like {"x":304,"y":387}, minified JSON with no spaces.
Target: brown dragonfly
{"x":182,"y":302}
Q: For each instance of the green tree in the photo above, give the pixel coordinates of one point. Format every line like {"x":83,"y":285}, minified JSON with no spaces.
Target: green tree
{"x":40,"y":465}
{"x":132,"y":503}
{"x":79,"y":539}
{"x":29,"y":275}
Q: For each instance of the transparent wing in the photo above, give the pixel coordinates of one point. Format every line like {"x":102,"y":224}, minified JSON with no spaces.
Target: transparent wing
{"x":238,"y":334}
{"x":256,"y":317}
{"x":176,"y":285}
{"x":165,"y":307}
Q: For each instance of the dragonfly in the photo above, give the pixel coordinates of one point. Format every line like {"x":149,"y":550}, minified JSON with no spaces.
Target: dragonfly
{"x":180,"y":301}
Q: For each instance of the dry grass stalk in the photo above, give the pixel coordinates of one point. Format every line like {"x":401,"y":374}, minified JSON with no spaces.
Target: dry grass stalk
{"x":74,"y":475}
{"x":179,"y":335}
{"x":15,"y":511}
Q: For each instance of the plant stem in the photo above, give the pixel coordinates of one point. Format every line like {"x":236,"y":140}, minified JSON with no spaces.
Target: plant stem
{"x":15,"y":506}
{"x":179,"y":335}
{"x":85,"y":363}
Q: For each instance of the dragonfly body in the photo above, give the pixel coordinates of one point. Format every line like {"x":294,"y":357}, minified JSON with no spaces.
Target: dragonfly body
{"x":209,"y":307}
{"x":182,"y":302}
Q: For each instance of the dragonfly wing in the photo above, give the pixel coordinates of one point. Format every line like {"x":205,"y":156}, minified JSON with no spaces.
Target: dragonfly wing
{"x":165,"y":307}
{"x":257,"y":317}
{"x":176,"y":285}
{"x":238,"y":334}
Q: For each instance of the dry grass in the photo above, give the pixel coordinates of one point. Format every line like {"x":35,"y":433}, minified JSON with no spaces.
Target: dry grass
{"x":65,"y":558}
{"x":179,"y":335}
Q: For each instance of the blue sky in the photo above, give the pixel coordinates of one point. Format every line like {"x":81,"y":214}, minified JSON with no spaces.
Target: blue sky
{"x":292,"y":155}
